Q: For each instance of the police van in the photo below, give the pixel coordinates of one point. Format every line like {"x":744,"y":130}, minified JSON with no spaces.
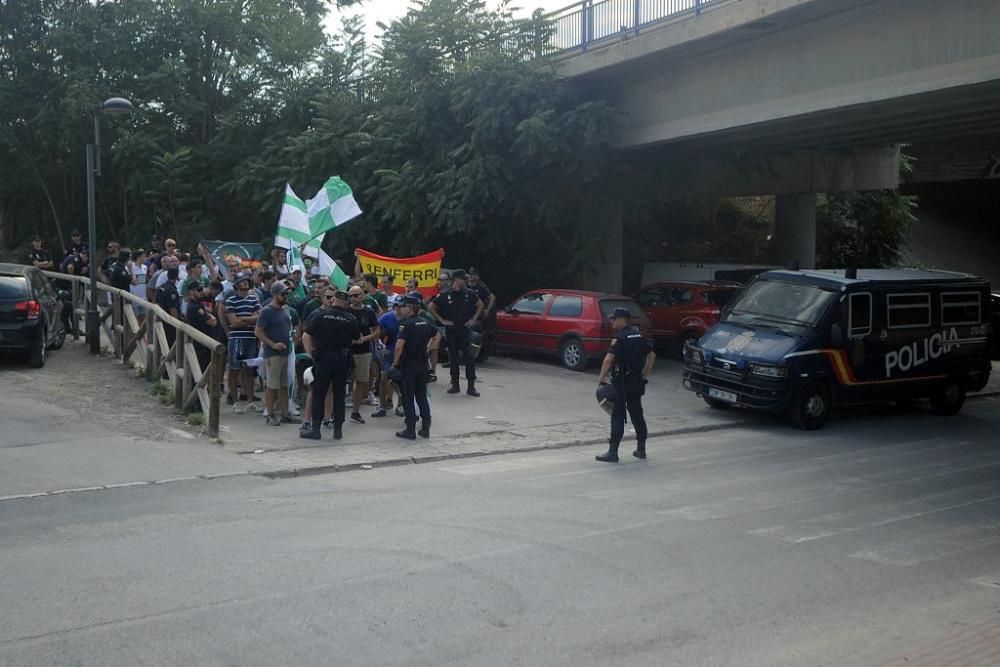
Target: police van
{"x":803,"y":341}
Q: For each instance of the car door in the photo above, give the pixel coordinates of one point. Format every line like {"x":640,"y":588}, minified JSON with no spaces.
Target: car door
{"x":563,"y":316}
{"x":520,"y":324}
{"x":685,"y":312}
{"x":46,"y":296}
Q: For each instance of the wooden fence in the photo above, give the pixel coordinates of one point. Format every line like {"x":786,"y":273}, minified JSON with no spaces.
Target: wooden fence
{"x":146,"y":345}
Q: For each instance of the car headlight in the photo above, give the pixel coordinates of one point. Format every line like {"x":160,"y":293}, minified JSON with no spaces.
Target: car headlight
{"x":693,"y":355}
{"x":769,"y":371}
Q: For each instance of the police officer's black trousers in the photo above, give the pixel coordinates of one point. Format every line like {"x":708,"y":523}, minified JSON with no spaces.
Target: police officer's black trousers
{"x":323,"y":375}
{"x":415,"y":388}
{"x":632,"y":401}
{"x":458,"y":344}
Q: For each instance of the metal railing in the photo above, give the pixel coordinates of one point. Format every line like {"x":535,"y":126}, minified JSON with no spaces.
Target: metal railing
{"x":147,"y":345}
{"x":583,"y":24}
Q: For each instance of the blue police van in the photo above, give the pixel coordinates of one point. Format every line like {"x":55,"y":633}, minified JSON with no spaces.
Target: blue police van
{"x":802,"y":342}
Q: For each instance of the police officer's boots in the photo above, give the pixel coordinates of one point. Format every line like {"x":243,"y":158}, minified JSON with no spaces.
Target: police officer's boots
{"x":311,"y":434}
{"x":425,"y":428}
{"x":454,"y":388}
{"x":472,"y":389}
{"x":407,"y":434}
{"x":640,"y":449}
{"x":610,"y":456}
{"x":338,"y":430}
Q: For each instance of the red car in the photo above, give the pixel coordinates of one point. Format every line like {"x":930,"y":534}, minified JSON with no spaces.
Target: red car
{"x":574,"y":324}
{"x":682,"y":311}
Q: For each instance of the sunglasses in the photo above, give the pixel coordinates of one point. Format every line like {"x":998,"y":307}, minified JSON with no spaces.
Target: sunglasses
{"x":328,"y":297}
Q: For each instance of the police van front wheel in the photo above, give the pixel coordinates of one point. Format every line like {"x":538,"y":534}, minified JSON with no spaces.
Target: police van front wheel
{"x":949,"y":398}
{"x":811,"y":407}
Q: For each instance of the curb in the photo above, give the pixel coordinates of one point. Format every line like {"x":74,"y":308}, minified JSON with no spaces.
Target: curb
{"x":286,"y":473}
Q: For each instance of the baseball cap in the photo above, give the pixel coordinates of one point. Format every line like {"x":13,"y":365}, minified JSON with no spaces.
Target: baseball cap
{"x":458,"y":273}
{"x":622,"y":312}
{"x":279,"y":288}
{"x":340,"y":295}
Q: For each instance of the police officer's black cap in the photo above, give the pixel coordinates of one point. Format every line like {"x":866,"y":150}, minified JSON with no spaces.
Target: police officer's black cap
{"x":622,"y":312}
{"x":341,"y":295}
{"x":472,"y":271}
{"x":410,"y":300}
{"x":74,"y":232}
{"x":458,"y":274}
{"x":154,"y":237}
{"x":36,"y":237}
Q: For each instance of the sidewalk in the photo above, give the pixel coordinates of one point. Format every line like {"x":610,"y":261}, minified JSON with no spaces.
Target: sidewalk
{"x":528,"y":403}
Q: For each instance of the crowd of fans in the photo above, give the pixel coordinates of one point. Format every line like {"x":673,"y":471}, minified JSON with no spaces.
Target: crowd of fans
{"x":229,"y":302}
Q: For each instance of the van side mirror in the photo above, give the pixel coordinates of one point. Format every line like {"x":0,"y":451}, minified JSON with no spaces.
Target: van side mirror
{"x":836,"y":336}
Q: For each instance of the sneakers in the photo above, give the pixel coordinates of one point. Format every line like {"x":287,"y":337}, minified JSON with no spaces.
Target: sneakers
{"x":255,"y":407}
{"x":272,"y":421}
{"x":312,"y":434}
{"x":327,"y":423}
{"x":386,"y":406}
{"x":295,"y":412}
{"x":289,"y":420}
{"x":239,"y":408}
{"x":399,"y":411}
{"x":378,"y":413}
{"x":432,"y":377}
{"x":306,"y":426}
{"x":267,"y":413}
{"x":357,"y":418}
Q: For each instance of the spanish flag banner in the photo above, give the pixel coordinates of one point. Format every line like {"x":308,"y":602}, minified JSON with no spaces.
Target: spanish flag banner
{"x":424,"y":268}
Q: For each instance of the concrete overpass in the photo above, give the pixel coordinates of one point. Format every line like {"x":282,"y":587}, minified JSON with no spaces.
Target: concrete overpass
{"x":821,"y":90}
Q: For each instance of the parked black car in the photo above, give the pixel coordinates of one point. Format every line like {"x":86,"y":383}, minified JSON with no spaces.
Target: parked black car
{"x":30,"y":313}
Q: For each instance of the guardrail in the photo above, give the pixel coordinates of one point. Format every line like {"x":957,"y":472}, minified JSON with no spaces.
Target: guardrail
{"x":147,"y":345}
{"x":583,"y":24}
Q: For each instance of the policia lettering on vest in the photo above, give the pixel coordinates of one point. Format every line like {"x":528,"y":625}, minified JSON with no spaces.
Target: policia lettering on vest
{"x":329,"y":335}
{"x":629,"y":360}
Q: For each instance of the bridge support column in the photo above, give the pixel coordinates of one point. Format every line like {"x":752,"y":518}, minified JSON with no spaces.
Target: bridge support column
{"x":608,"y":275}
{"x":795,"y":230}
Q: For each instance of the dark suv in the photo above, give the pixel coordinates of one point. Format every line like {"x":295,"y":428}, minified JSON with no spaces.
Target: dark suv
{"x":30,"y":313}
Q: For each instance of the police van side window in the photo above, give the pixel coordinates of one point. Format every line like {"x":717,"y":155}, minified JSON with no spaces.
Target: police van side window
{"x":908,"y":311}
{"x":859,"y":322}
{"x":959,"y":308}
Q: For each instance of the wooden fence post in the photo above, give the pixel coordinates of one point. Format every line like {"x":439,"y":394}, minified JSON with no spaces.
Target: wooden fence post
{"x":218,"y":371}
{"x":116,"y":322}
{"x":181,"y":370}
{"x":152,"y":346}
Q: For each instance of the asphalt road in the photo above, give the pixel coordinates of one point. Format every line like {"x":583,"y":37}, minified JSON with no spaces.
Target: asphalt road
{"x":877,"y":538}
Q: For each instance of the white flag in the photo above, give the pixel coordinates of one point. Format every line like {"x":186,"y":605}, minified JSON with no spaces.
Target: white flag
{"x":332,"y":206}
{"x":293,"y":226}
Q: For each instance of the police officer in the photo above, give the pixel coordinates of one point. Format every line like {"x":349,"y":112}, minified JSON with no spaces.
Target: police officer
{"x":629,"y":359}
{"x":458,"y":309}
{"x":411,"y":357}
{"x":39,"y":256}
{"x":328,"y":337}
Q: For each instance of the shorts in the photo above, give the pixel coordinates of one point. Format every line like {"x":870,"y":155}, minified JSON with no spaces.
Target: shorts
{"x":387,"y":359}
{"x":276,"y":368}
{"x":362,"y":366}
{"x":239,"y":350}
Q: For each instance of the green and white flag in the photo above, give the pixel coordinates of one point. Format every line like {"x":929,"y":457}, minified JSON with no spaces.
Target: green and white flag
{"x":329,"y":267}
{"x":293,"y":226}
{"x":332,"y":206}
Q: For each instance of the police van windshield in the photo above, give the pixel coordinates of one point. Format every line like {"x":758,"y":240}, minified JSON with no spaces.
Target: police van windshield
{"x":792,"y":308}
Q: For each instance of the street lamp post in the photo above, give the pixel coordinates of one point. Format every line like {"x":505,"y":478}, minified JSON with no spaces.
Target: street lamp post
{"x":113,"y":105}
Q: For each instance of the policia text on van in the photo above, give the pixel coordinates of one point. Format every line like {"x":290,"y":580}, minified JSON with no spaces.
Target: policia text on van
{"x":802,"y":341}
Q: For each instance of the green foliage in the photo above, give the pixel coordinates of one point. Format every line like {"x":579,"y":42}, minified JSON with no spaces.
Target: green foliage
{"x":449,"y":131}
{"x":862,"y":229}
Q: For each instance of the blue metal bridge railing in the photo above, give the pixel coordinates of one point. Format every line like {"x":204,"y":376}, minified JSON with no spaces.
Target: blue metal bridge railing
{"x":583,"y":24}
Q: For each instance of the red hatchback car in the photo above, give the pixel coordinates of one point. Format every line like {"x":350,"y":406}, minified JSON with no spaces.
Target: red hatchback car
{"x":574,"y":324}
{"x":682,"y":311}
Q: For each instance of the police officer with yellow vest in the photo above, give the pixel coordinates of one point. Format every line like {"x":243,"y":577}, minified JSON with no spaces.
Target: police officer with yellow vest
{"x":329,"y":335}
{"x":629,"y":360}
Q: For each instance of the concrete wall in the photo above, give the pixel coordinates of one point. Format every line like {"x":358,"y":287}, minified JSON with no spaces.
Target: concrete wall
{"x":757,"y":65}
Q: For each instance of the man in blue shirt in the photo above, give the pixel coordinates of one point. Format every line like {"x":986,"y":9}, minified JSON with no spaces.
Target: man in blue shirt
{"x":274,"y":331}
{"x":388,"y":324}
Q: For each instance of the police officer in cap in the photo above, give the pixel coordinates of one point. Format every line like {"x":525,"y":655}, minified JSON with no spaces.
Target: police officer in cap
{"x":458,"y":309}
{"x":411,"y":357}
{"x":629,"y":359}
{"x":328,"y":337}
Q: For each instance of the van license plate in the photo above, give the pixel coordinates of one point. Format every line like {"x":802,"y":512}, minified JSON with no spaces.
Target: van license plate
{"x":727,"y":396}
